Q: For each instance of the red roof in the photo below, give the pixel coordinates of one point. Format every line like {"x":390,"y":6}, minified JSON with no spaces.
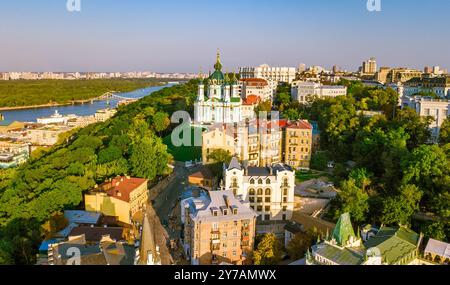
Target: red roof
{"x":303,"y":125}
{"x":255,"y":81}
{"x":252,"y":100}
{"x":122,"y":187}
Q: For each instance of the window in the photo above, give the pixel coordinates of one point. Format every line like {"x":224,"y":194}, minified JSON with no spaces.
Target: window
{"x":268,"y":181}
{"x":267,"y":209}
{"x":252,"y":181}
{"x":260,"y":181}
{"x":259,"y":209}
{"x":251,"y":191}
{"x":267,"y":217}
{"x":268,"y":192}
{"x":267,"y":200}
{"x":260,"y":192}
{"x":215,"y":226}
{"x":285,"y":192}
{"x":251,"y":199}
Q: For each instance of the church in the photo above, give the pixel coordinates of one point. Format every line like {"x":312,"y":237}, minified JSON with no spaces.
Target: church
{"x":219,"y":100}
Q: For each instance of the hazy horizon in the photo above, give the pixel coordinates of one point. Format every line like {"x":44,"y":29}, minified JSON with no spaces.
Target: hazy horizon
{"x":183,"y":36}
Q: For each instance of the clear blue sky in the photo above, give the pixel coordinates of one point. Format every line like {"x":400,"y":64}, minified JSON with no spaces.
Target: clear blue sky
{"x":183,"y":35}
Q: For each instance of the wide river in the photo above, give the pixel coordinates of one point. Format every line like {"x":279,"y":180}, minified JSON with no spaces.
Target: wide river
{"x":31,"y":115}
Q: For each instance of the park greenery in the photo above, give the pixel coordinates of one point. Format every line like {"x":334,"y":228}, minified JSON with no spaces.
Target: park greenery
{"x":55,"y":179}
{"x":19,"y":93}
{"x":387,"y":168}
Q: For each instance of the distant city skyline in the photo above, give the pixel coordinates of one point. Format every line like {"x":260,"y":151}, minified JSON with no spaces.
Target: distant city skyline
{"x":183,"y":36}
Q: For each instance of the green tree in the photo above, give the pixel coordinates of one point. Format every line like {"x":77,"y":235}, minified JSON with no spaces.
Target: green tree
{"x":361,"y":177}
{"x":444,"y":135}
{"x":161,"y":121}
{"x":399,"y":209}
{"x":298,"y":246}
{"x":437,"y":230}
{"x":319,"y":161}
{"x":268,"y":251}
{"x":354,"y":200}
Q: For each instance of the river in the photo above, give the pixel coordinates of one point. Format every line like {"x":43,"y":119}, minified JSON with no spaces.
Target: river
{"x":86,"y":109}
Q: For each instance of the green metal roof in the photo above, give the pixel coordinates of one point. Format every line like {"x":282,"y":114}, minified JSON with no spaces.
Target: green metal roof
{"x":343,"y":230}
{"x":235,"y":100}
{"x":395,"y":244}
{"x":340,"y":256}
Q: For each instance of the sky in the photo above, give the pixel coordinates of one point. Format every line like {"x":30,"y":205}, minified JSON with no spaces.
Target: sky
{"x":184,"y":35}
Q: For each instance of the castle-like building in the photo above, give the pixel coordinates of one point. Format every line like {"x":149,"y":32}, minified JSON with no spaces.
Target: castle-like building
{"x":219,"y":99}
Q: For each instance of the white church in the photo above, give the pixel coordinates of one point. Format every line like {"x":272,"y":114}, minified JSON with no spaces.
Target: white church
{"x":221,"y":103}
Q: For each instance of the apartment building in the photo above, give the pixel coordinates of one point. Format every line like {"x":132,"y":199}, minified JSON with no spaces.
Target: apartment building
{"x":438,"y":85}
{"x":46,"y":135}
{"x":298,"y":144}
{"x":438,"y":109}
{"x":402,"y":75}
{"x":121,"y":197}
{"x":217,"y":137}
{"x":257,"y":86}
{"x":219,"y":230}
{"x":269,"y":190}
{"x":301,"y":90}
{"x":276,"y":74}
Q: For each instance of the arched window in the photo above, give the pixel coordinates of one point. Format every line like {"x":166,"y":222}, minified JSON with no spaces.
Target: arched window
{"x":235,"y":183}
{"x":251,"y":191}
{"x":286,"y":182}
{"x":260,"y":192}
{"x":268,"y":192}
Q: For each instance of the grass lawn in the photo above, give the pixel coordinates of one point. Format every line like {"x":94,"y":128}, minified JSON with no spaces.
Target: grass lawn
{"x":302,"y":176}
{"x":184,"y":153}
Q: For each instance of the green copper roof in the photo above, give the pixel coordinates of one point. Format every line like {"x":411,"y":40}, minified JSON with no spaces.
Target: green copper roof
{"x":343,"y":230}
{"x":235,"y":100}
{"x":395,"y":244}
{"x":339,"y":256}
{"x":217,"y":77}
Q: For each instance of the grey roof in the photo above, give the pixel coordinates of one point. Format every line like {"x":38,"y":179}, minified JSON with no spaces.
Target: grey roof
{"x":438,"y":248}
{"x":217,"y":201}
{"x":82,"y":217}
{"x":268,"y":171}
{"x":148,"y":243}
{"x":234,"y":164}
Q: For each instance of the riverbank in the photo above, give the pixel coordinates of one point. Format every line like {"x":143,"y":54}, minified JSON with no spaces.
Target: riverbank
{"x":32,"y":94}
{"x":48,"y":105}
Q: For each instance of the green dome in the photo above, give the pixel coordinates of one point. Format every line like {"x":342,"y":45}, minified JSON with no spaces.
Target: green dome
{"x":217,"y":77}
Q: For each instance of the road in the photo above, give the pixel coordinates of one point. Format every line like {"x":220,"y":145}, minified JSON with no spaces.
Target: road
{"x":165,"y":203}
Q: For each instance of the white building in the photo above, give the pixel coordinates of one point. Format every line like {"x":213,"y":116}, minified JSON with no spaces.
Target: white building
{"x":222,"y":103}
{"x":56,"y":118}
{"x":104,"y":114}
{"x":301,"y":90}
{"x":438,"y":109}
{"x":277,"y":74}
{"x":269,"y":190}
{"x":257,"y":86}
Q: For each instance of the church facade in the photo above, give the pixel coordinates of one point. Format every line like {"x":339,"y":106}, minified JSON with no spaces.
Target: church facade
{"x":219,"y":99}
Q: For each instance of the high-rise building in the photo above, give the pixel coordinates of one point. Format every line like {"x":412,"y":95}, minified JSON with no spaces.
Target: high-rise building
{"x":369,"y":66}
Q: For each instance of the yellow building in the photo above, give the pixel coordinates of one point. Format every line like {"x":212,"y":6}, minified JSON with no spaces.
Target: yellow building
{"x":217,"y":138}
{"x":6,"y":126}
{"x":122,"y":197}
{"x":298,"y":144}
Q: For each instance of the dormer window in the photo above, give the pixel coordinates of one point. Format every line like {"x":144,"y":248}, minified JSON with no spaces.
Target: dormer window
{"x":215,"y":213}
